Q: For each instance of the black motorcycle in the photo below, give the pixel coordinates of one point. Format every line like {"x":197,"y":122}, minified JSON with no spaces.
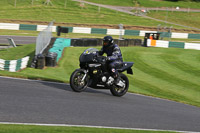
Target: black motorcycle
{"x":94,"y":73}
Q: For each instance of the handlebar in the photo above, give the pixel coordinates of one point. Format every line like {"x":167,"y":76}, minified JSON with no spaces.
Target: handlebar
{"x":99,"y":58}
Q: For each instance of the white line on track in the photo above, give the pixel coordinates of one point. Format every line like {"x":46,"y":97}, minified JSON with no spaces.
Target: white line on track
{"x":89,"y":126}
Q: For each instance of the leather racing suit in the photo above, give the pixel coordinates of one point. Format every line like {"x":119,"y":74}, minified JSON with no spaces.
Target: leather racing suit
{"x":114,"y":58}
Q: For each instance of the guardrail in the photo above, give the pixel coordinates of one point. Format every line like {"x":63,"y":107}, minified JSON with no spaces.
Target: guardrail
{"x":169,"y":44}
{"x":86,"y":30}
{"x":14,"y":65}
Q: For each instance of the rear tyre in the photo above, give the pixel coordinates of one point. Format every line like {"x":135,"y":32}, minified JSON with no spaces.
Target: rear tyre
{"x":76,"y":82}
{"x":120,"y":91}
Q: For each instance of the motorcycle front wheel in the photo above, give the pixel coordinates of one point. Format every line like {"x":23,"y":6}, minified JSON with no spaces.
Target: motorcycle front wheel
{"x":120,"y":91}
{"x":76,"y":80}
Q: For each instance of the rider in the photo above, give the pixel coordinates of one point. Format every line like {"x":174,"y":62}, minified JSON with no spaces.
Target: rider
{"x":114,"y":56}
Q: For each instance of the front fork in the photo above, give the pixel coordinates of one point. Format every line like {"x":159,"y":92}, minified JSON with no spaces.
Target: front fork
{"x":85,"y":75}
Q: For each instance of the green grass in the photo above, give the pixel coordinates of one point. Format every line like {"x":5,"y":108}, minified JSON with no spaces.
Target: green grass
{"x":183,"y":18}
{"x":73,"y":13}
{"x":149,"y":3}
{"x":54,"y":129}
{"x":114,"y":2}
{"x":142,"y":3}
{"x":18,"y":52}
{"x":19,"y":32}
{"x":167,"y":73}
{"x":165,"y":3}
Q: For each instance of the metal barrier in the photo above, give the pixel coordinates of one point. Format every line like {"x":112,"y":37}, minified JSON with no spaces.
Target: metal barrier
{"x":42,"y":42}
{"x":98,"y":42}
{"x":43,"y":39}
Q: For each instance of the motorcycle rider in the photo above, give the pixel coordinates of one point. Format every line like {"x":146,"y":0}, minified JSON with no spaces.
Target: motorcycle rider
{"x":114,"y":56}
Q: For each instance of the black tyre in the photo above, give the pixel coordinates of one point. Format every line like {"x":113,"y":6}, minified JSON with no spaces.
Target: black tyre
{"x":119,"y":91}
{"x":76,"y":82}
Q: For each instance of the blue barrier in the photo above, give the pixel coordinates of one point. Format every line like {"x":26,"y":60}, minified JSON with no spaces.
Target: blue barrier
{"x":59,"y":45}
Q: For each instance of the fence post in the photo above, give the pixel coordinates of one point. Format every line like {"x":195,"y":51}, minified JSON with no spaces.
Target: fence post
{"x":188,"y":9}
{"x":166,"y":15}
{"x":120,"y":28}
{"x":15,"y":3}
{"x":65,"y":3}
{"x":99,"y":9}
{"x":48,"y":2}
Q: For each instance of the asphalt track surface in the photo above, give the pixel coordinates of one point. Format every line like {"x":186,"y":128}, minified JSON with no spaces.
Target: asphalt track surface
{"x":30,"y":101}
{"x":18,"y":39}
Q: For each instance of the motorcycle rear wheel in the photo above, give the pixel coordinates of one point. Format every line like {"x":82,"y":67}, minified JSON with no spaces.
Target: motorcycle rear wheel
{"x":76,"y":82}
{"x":118,"y":91}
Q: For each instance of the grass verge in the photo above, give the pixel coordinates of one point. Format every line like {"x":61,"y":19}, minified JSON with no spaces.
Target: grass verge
{"x":149,"y":3}
{"x":73,"y":12}
{"x":167,"y":73}
{"x":183,"y":18}
{"x":58,"y":129}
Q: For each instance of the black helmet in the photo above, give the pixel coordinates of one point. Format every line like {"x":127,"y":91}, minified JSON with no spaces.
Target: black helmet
{"x":107,"y":41}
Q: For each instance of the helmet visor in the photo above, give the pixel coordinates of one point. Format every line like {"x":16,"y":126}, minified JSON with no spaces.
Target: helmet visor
{"x":105,"y":42}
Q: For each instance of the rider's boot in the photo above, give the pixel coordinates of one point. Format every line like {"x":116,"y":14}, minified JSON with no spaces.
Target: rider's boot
{"x":117,"y":81}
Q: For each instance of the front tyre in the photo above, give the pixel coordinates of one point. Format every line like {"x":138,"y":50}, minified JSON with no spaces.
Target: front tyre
{"x":120,"y":91}
{"x":76,"y":80}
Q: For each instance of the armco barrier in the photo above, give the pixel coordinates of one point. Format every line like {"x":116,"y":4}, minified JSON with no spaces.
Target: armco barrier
{"x":192,"y":46}
{"x":98,"y":42}
{"x":165,"y":34}
{"x":97,"y":31}
{"x":14,"y":65}
{"x":179,"y":35}
{"x":8,"y":26}
{"x":194,"y":36}
{"x":168,"y":44}
{"x":27,"y":27}
{"x":85,"y":42}
{"x":176,"y":44}
{"x":132,"y":32}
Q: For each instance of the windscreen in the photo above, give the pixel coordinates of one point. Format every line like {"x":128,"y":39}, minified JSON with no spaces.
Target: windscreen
{"x":88,"y":55}
{"x":90,"y":51}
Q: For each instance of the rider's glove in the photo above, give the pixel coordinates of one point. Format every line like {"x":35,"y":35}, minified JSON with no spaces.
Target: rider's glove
{"x":108,"y":58}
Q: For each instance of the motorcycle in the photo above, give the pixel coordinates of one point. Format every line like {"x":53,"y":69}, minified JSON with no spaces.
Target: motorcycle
{"x":94,"y":73}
